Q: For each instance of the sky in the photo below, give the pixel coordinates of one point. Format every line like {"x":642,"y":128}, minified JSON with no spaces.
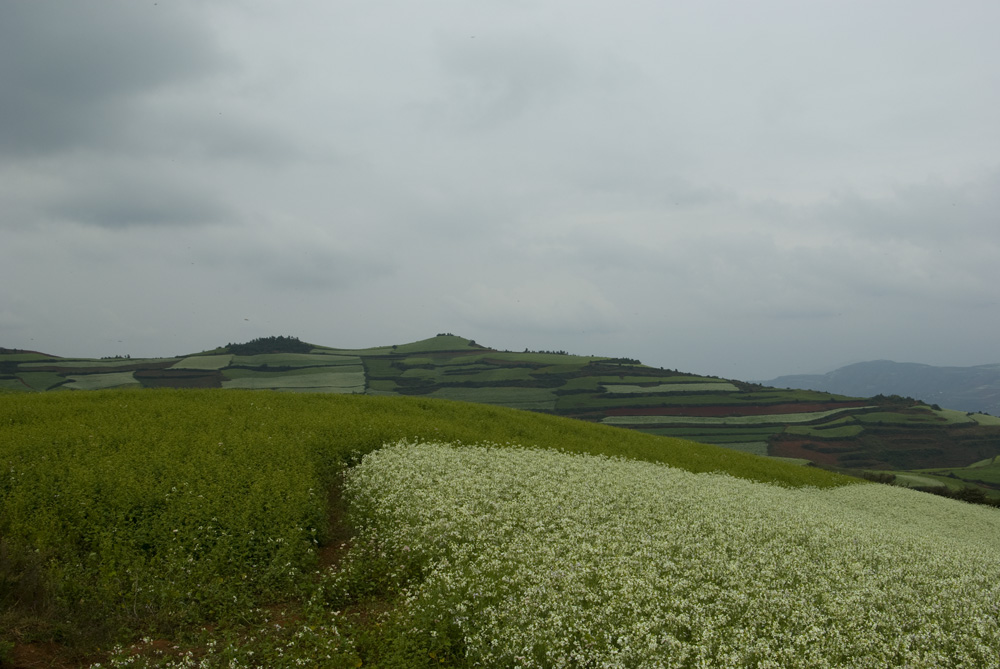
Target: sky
{"x":741,"y":189}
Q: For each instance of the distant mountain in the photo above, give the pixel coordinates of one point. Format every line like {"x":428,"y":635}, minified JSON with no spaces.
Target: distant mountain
{"x":964,"y":388}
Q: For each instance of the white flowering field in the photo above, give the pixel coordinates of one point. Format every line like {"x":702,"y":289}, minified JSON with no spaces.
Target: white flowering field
{"x":509,"y":557}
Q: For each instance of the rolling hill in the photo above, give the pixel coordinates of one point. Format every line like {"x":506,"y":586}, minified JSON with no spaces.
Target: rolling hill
{"x":964,"y":388}
{"x":829,"y":429}
{"x":277,"y":503}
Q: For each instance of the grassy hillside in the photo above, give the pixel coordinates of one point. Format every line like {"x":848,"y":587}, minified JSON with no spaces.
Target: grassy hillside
{"x":153,"y":510}
{"x":207,"y":527}
{"x":890,"y":433}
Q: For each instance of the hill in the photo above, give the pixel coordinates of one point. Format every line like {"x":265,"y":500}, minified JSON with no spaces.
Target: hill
{"x":833,"y":430}
{"x":212,"y":528}
{"x":964,"y":388}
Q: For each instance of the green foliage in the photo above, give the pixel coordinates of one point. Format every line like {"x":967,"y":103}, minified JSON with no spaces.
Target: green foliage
{"x":272,"y":344}
{"x":41,"y":380}
{"x":591,"y":388}
{"x":157,"y":508}
{"x":825,"y":431}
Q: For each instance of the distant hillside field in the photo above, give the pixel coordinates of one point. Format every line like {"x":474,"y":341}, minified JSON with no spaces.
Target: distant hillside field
{"x":851,"y":431}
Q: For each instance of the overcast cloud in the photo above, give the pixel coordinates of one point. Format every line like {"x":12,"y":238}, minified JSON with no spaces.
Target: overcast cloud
{"x":745,"y":189}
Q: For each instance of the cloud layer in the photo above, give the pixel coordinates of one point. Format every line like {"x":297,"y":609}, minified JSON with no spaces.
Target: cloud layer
{"x":739,"y":189}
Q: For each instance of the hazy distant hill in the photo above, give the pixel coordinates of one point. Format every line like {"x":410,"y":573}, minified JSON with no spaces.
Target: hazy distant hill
{"x":965,"y":388}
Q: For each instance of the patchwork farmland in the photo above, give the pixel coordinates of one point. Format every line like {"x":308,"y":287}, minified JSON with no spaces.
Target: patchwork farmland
{"x":881,"y":433}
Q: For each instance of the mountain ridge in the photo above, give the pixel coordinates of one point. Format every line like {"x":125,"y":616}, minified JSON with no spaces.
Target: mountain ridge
{"x":974,"y":388}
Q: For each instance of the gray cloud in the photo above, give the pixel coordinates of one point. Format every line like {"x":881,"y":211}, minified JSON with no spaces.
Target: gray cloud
{"x":70,"y":71}
{"x":496,"y":78}
{"x":745,"y":189}
{"x":129,"y":201}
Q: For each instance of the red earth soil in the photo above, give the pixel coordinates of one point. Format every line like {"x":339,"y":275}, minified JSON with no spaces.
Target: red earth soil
{"x":789,"y":448}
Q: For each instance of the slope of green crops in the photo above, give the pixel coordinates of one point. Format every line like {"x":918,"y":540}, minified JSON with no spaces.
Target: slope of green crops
{"x":148,"y":509}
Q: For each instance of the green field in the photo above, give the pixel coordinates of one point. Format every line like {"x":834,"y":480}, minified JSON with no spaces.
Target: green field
{"x":672,"y":388}
{"x":522,"y":398}
{"x":204,"y":362}
{"x":41,"y":380}
{"x":293,"y":360}
{"x":328,"y":380}
{"x":207,"y":528}
{"x":882,"y":417}
{"x":891,"y":433}
{"x":101,"y":381}
{"x":987,"y":471}
{"x":765,"y":419}
{"x":109,"y":363}
{"x":826,"y":432}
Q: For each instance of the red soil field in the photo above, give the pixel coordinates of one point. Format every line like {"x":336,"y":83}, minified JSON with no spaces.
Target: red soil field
{"x":788,"y":448}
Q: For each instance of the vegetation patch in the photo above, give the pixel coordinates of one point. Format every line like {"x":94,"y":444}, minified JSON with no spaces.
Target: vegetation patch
{"x":179,"y":378}
{"x":537,"y":397}
{"x":671,"y":388}
{"x":204,"y":362}
{"x":826,"y":432}
{"x":898,"y":433}
{"x":189,"y":518}
{"x":530,"y":558}
{"x":724,"y":420}
{"x":347,"y":381}
{"x":41,"y":380}
{"x":101,"y":381}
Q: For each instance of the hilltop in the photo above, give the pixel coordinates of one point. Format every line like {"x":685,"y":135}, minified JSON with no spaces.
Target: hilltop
{"x":889,"y":433}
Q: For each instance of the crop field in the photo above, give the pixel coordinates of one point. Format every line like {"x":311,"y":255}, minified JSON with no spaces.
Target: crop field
{"x":985,"y":419}
{"x":12,"y":385}
{"x":204,"y":362}
{"x":41,"y":380}
{"x":783,"y":418}
{"x":294,"y":360}
{"x":754,"y":447}
{"x":539,"y":559}
{"x":200,"y":528}
{"x":344,"y":381}
{"x":89,"y":364}
{"x":101,"y":381}
{"x":536,"y":397}
{"x":672,"y":388}
{"x":618,"y":391}
{"x":494,"y":375}
{"x":577,"y":402}
{"x":987,"y":472}
{"x":911,"y":480}
{"x":245,"y":373}
{"x":761,"y":432}
{"x":882,"y":417}
{"x":826,"y":432}
{"x":193,"y":528}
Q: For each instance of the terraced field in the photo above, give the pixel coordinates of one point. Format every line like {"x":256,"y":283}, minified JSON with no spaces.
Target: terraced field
{"x":891,"y":433}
